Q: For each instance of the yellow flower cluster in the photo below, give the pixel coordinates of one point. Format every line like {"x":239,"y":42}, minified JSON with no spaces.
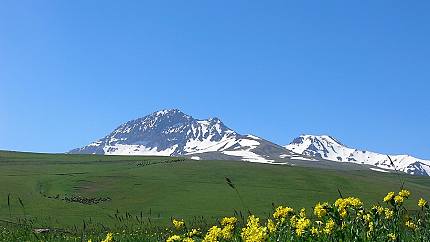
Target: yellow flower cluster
{"x":370,"y":228}
{"x":343,"y":204}
{"x":213,"y":234}
{"x":378,"y":209}
{"x":187,"y":237}
{"x":302,"y":213}
{"x":226,"y":232}
{"x":391,"y":237}
{"x":282,"y":212}
{"x":411,"y":225}
{"x":404,"y":193}
{"x":253,"y":232}
{"x":331,"y":219}
{"x":329,"y":226}
{"x":389,"y":196}
{"x":301,"y":225}
{"x":399,"y":198}
{"x":174,"y":238}
{"x":320,"y":209}
{"x":193,"y":232}
{"x":109,"y":238}
{"x":349,"y":201}
{"x":422,"y":203}
{"x":178,"y":224}
{"x":188,"y":240}
{"x":315,"y":231}
{"x":388,"y":213}
{"x":229,"y":220}
{"x":271,"y":226}
{"x":367,"y":217}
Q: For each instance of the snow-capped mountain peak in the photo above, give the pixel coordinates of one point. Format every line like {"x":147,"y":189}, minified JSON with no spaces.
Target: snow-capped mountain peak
{"x":317,"y":146}
{"x":329,"y":148}
{"x":171,"y":132}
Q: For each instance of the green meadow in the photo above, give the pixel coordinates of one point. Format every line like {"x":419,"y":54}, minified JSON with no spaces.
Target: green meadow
{"x":63,"y":190}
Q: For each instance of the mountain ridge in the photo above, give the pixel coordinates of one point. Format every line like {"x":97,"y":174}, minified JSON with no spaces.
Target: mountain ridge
{"x":170,"y":132}
{"x":327,"y":147}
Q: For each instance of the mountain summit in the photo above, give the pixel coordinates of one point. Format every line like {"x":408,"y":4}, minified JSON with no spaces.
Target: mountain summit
{"x":327,"y":147}
{"x":171,"y":132}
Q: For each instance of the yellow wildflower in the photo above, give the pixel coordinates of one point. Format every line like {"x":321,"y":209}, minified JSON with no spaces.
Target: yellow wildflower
{"x":411,"y":225}
{"x":399,"y":199}
{"x":271,"y":226}
{"x":329,"y":226}
{"x":389,"y":197}
{"x":343,"y":213}
{"x":193,"y":232}
{"x":227,"y":231}
{"x":315,"y":231}
{"x":109,"y":238}
{"x":293,"y":221}
{"x":388,"y":213}
{"x":370,"y":229}
{"x":213,"y":234}
{"x":354,"y":201}
{"x":391,"y":237}
{"x":404,"y":193}
{"x":301,"y":225}
{"x":367,"y":217}
{"x":422,"y":202}
{"x":178,"y":224}
{"x":378,"y":209}
{"x":320,"y":210}
{"x":188,"y":240}
{"x":282,"y":212}
{"x":343,"y":203}
{"x":340,"y":202}
{"x":228,"y":220}
{"x":173,"y":238}
{"x":302,"y":213}
{"x":253,"y":232}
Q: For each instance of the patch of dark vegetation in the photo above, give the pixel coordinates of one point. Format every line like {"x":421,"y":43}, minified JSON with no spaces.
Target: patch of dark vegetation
{"x":144,"y":163}
{"x":148,"y":163}
{"x":86,"y":200}
{"x":70,"y":173}
{"x":79,"y":199}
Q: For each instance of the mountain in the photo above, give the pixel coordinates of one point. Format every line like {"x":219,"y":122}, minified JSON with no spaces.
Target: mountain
{"x":174,"y":133}
{"x":171,"y":132}
{"x":328,"y":148}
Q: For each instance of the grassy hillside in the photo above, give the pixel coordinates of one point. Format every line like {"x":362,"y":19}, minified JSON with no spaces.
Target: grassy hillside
{"x":164,"y":187}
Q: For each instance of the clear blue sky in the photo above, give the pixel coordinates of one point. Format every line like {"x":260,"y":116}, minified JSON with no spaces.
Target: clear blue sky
{"x":72,"y":71}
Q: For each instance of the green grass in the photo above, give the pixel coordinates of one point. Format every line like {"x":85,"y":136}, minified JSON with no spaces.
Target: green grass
{"x":183,"y":189}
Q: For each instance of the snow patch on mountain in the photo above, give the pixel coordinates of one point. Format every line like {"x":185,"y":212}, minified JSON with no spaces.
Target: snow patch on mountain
{"x":246,"y":145}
